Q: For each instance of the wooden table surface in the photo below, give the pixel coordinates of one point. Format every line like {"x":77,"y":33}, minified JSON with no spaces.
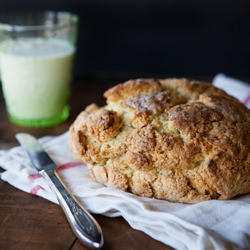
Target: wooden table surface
{"x":31,"y":222}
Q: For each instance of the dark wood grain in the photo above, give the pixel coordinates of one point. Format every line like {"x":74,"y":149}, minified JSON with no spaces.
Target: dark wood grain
{"x":30,"y":222}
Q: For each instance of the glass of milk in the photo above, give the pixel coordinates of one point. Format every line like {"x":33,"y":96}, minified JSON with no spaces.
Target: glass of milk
{"x":36,"y":59}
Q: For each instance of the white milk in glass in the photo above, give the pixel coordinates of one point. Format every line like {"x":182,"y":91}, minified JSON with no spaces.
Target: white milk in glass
{"x":36,"y":75}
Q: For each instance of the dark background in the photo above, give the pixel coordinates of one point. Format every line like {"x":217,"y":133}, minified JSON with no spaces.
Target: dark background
{"x":156,"y":37}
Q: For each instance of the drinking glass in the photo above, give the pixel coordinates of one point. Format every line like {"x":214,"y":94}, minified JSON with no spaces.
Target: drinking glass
{"x":36,"y":60}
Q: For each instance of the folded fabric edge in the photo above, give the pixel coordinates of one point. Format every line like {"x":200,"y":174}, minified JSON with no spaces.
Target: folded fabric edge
{"x":35,"y":190}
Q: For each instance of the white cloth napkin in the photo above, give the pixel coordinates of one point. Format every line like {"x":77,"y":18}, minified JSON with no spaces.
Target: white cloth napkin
{"x":206,"y":225}
{"x":234,"y":87}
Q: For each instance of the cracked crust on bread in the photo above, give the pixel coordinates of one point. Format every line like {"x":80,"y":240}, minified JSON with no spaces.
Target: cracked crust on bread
{"x":174,"y":139}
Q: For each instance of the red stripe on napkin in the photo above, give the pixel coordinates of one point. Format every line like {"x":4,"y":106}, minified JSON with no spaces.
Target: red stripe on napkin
{"x":35,"y":189}
{"x":246,"y":101}
{"x":68,"y":165}
{"x":33,"y":177}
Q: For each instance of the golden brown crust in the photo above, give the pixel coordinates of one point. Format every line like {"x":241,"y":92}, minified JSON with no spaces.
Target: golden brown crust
{"x":132,"y":88}
{"x":174,"y":139}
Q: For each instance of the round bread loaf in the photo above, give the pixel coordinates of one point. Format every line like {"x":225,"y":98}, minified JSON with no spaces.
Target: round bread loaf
{"x":174,"y":139}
